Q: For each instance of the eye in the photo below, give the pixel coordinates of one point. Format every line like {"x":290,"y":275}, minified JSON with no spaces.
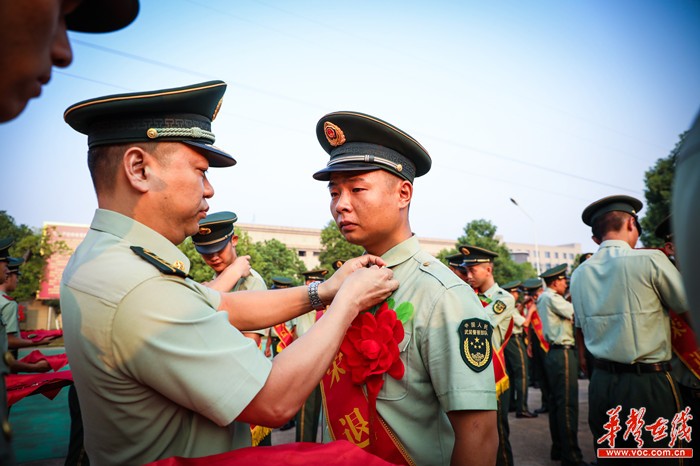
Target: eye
{"x":357,"y":190}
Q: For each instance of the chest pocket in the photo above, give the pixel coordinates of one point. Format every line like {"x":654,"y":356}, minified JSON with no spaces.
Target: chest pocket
{"x":397,"y":389}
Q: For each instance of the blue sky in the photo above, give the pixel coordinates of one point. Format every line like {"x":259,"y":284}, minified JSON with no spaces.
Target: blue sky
{"x":553,"y":103}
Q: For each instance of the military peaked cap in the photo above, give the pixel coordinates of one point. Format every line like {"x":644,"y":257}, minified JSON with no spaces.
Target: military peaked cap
{"x":555,"y":272}
{"x":5,"y":244}
{"x":316,"y":275}
{"x":182,"y":114}
{"x":510,"y":286}
{"x":476,"y":255}
{"x":102,"y":15}
{"x":214,"y":232}
{"x":282,"y":282}
{"x":359,"y":142}
{"x":663,"y":230}
{"x":619,"y":203}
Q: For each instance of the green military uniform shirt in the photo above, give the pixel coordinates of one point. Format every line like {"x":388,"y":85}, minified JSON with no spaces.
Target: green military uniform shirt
{"x":557,"y":315}
{"x":9,"y":314}
{"x":501,"y":310}
{"x":620,"y":296}
{"x":158,"y":370}
{"x":437,"y":380}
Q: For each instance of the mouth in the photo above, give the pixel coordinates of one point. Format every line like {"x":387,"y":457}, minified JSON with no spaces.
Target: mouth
{"x":347,"y":226}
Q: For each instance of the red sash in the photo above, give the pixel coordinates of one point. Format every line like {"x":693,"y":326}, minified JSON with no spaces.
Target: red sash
{"x":684,"y":343}
{"x":347,"y":414}
{"x":537,"y":327}
{"x":284,"y":336}
{"x":499,"y":361}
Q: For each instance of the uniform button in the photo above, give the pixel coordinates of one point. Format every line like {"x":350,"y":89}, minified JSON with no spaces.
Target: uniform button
{"x":425,"y":264}
{"x":6,"y":429}
{"x":7,"y":357}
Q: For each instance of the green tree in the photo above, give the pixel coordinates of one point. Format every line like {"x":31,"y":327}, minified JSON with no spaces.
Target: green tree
{"x":659,"y":186}
{"x":482,"y":233}
{"x":273,"y":258}
{"x":336,"y":247}
{"x":33,"y":246}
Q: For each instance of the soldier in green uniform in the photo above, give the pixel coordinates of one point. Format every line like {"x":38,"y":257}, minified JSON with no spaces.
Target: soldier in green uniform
{"x":516,"y":357}
{"x":216,"y":241}
{"x":308,"y":416}
{"x":6,"y":453}
{"x":456,"y":263}
{"x":159,"y":364}
{"x":561,"y":367}
{"x":621,"y":296}
{"x":536,"y":352}
{"x":33,"y":39}
{"x":500,"y":307}
{"x":442,"y":409}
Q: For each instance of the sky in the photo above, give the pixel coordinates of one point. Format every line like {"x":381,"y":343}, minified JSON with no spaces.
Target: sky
{"x":554,"y":103}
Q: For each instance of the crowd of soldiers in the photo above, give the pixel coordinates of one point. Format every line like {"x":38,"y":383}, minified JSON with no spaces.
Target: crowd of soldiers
{"x":412,"y":362}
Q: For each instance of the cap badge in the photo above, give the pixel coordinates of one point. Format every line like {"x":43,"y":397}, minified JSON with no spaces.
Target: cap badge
{"x":464,"y":251}
{"x":216,"y":110}
{"x":179,"y":265}
{"x":338,"y":264}
{"x":204,"y":230}
{"x":152,"y":133}
{"x":334,"y":134}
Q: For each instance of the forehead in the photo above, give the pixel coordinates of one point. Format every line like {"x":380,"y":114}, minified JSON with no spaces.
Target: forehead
{"x":359,"y":176}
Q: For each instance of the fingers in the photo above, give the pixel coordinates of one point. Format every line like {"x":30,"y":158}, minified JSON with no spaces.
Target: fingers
{"x":366,"y":260}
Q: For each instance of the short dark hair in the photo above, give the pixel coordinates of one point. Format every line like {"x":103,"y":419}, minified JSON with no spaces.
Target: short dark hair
{"x":103,"y":162}
{"x":611,"y":221}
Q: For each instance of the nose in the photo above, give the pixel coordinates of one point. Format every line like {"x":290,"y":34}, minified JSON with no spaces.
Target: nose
{"x":61,"y":53}
{"x":341,"y":203}
{"x":208,"y":188}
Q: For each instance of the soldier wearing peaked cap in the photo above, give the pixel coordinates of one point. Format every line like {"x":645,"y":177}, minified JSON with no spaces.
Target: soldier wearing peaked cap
{"x":158,"y":370}
{"x":516,"y":356}
{"x":6,"y":453}
{"x":500,"y":307}
{"x":561,"y":366}
{"x":33,"y":38}
{"x":442,"y":385}
{"x":216,"y":241}
{"x":456,"y":263}
{"x":619,"y":294}
{"x":537,"y":343}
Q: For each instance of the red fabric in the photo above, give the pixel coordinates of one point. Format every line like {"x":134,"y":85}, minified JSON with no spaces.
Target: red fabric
{"x":48,"y":384}
{"x":291,"y":454}
{"x":56,"y":361}
{"x":39,"y":335}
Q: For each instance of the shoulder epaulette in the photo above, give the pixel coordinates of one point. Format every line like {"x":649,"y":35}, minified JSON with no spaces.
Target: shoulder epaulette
{"x":159,"y":263}
{"x":9,"y":298}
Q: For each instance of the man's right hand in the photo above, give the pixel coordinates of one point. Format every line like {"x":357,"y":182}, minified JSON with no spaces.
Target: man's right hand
{"x":241,"y":265}
{"x":366,"y":287}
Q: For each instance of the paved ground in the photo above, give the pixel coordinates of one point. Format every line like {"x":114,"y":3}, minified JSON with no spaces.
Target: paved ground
{"x":529,"y":437}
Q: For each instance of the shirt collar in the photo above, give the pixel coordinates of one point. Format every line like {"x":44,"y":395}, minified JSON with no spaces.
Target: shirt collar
{"x":138,"y":234}
{"x":401,"y":252}
{"x":491,"y":291}
{"x":615,"y":243}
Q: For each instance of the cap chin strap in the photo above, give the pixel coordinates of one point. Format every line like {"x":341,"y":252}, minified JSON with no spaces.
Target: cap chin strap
{"x":189,"y":133}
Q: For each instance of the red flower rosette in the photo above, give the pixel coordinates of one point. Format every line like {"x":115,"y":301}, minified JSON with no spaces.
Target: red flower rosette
{"x":371,"y":349}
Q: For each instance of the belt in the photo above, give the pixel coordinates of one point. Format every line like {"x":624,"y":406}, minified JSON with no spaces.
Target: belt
{"x":638,"y":368}
{"x":553,"y":346}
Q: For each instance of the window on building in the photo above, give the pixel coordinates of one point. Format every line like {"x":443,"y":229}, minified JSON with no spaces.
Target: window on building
{"x":546,"y":254}
{"x":302,"y":253}
{"x":317,"y":253}
{"x":556,"y":255}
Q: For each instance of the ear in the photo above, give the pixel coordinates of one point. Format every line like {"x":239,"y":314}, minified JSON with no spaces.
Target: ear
{"x":136,"y":166}
{"x":596,"y":240}
{"x":234,"y":240}
{"x":405,"y":193}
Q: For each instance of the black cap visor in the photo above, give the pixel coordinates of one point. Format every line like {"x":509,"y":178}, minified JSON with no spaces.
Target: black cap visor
{"x":215,"y":156}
